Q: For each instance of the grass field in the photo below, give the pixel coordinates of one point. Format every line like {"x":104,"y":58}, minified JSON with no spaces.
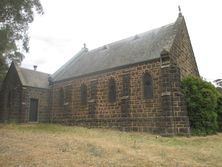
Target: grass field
{"x":56,"y":145}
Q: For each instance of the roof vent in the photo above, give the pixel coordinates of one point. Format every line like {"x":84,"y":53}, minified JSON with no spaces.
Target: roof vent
{"x":105,"y":47}
{"x":136,"y":37}
{"x":35,"y":67}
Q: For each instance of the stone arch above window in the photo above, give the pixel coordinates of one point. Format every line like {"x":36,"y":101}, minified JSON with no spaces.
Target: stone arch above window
{"x":147,"y":86}
{"x":112,"y":90}
{"x":83,"y":94}
{"x":61,"y":97}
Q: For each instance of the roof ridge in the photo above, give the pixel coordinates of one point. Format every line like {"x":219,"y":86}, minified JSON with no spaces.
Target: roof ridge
{"x":22,"y":68}
{"x":132,"y":36}
{"x":127,"y":51}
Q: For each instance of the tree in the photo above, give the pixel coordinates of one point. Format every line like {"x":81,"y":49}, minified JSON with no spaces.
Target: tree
{"x":202,"y":104}
{"x":218,"y":82}
{"x":219,"y":113}
{"x":15,"y":17}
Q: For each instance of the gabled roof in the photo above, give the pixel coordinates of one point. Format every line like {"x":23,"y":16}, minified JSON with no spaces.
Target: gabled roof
{"x":32,"y":78}
{"x":139,"y":48}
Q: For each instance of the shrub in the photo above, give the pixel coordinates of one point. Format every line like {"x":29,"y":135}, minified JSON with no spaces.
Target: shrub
{"x":202,"y":104}
{"x":219,"y":113}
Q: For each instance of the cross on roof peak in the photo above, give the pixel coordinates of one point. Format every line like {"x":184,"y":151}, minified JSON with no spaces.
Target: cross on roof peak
{"x":180,"y":13}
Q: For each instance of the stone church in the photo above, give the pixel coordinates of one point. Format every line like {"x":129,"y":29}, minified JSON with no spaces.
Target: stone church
{"x":132,"y":85}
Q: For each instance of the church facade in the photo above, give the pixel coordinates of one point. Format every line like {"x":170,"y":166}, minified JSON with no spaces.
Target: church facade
{"x":131,"y":85}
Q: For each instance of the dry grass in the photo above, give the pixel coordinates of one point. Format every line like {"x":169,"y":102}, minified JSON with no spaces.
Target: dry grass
{"x":56,"y":145}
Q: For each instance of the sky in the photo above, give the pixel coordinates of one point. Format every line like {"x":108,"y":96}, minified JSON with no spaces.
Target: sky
{"x":66,"y":25}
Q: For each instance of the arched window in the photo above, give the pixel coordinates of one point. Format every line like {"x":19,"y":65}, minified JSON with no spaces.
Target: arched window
{"x":93,"y":89}
{"x":61,"y":97}
{"x":126,"y":85}
{"x":83,"y":94}
{"x":147,"y":86}
{"x":112,"y":91}
{"x":67,"y":94}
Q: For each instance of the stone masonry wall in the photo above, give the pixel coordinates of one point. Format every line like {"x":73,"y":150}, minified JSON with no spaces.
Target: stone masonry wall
{"x":42,"y":95}
{"x":1,"y":105}
{"x":182,"y":53}
{"x":15,"y":100}
{"x":182,"y":63}
{"x":129,"y":113}
{"x":173,"y":102}
{"x":10,"y":98}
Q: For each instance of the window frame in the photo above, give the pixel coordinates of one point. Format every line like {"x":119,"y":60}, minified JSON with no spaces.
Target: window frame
{"x":126,"y":85}
{"x":67,"y":94}
{"x":112,"y":90}
{"x":83,"y":94}
{"x":147,"y":88}
{"x":93,"y":89}
{"x":61,"y":97}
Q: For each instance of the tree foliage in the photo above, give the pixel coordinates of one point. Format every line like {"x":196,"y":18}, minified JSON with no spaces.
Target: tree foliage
{"x":202,"y":104}
{"x":15,"y":17}
{"x":218,"y":82}
{"x":219,"y":110}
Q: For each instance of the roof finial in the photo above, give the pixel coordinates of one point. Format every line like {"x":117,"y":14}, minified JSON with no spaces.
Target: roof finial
{"x":84,"y":47}
{"x":180,"y":13}
{"x":35,"y":67}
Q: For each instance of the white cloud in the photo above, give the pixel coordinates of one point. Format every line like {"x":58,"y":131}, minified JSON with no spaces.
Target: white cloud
{"x":67,"y":24}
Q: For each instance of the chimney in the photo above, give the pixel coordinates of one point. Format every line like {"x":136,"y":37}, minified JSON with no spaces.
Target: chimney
{"x":35,"y":67}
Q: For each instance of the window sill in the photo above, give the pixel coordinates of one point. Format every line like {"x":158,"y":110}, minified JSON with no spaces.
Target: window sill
{"x":92,"y":101}
{"x":124,"y":97}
